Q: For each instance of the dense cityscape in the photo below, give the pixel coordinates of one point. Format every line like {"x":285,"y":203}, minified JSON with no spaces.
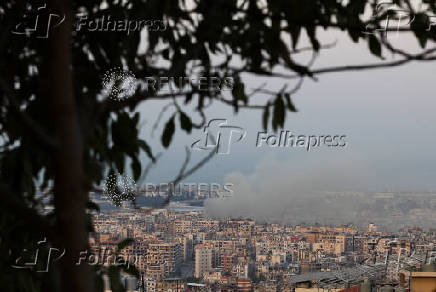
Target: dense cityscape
{"x":182,"y":249}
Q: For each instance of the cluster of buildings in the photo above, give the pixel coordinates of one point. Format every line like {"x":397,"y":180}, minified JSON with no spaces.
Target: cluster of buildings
{"x":187,"y":251}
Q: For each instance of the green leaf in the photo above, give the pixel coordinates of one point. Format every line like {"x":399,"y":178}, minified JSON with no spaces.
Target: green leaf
{"x":279,"y":113}
{"x":422,"y":38}
{"x":124,"y":243}
{"x":89,"y":225}
{"x":99,"y":283}
{"x":168,"y":132}
{"x":119,"y":160}
{"x":311,"y":32}
{"x":419,"y":27}
{"x":92,"y":206}
{"x":295,"y":31}
{"x":238,"y":92}
{"x":354,"y":34}
{"x":291,"y":106}
{"x":185,"y":122}
{"x":265,"y":117}
{"x":136,"y":168}
{"x":136,"y":118}
{"x":374,"y":46}
{"x":188,"y":98}
{"x":166,"y":54}
{"x":146,"y":148}
{"x":131,"y":270}
{"x":115,"y":279}
{"x":125,"y":133}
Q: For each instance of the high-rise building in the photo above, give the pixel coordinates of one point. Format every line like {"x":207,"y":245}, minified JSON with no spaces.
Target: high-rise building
{"x":227,"y":262}
{"x":166,"y":256}
{"x":203,"y":260}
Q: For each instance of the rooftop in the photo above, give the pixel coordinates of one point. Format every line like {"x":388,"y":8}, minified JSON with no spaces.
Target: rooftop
{"x":424,"y":274}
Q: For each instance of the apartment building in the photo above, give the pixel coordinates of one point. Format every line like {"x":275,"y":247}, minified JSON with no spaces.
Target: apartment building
{"x":203,"y":260}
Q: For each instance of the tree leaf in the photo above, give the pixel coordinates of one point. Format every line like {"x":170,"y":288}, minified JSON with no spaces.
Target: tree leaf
{"x":131,"y":270}
{"x":188,"y":98}
{"x":354,"y":34}
{"x":265,"y":117}
{"x":290,"y":105}
{"x":124,"y":243}
{"x":238,"y":92}
{"x":115,"y":279}
{"x":136,"y":168}
{"x":279,"y":113}
{"x":311,"y":32}
{"x":374,"y":46}
{"x":419,"y":26}
{"x":185,"y":122}
{"x":146,"y":148}
{"x":119,"y":160}
{"x":93,"y":206}
{"x":295,"y":31}
{"x":99,"y":283}
{"x":168,"y":132}
{"x":166,"y":54}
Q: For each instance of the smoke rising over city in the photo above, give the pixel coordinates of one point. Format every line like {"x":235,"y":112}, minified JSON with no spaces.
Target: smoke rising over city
{"x":332,"y":192}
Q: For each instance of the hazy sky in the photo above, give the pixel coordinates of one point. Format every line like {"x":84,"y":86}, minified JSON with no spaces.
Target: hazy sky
{"x":386,"y":115}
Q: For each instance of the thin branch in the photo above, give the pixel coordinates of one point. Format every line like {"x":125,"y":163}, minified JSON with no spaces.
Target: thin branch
{"x":310,"y":48}
{"x":148,"y":168}
{"x":182,"y":175}
{"x":159,"y":117}
{"x":391,"y":48}
{"x":203,"y":120}
{"x":256,"y":90}
{"x":368,"y":66}
{"x":185,"y":163}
